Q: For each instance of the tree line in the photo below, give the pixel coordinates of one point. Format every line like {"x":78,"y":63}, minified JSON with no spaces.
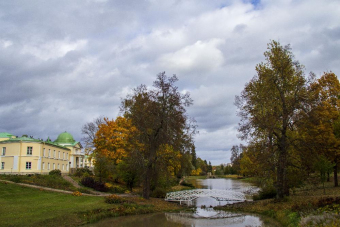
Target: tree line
{"x":290,"y":121}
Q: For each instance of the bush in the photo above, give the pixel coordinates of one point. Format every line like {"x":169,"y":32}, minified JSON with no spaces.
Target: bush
{"x":114,"y":188}
{"x":114,"y":199}
{"x":55,"y":172}
{"x":92,"y":183}
{"x":158,"y":193}
{"x":187,"y":184}
{"x":83,"y":172}
{"x":268,"y":192}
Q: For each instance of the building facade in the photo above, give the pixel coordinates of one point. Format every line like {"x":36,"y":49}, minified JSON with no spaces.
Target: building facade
{"x":26,"y":155}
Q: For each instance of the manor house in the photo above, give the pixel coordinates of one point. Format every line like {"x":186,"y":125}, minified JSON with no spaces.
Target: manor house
{"x":27,"y":155}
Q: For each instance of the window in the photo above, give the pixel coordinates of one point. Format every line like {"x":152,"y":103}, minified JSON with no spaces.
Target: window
{"x":43,"y":167}
{"x":64,"y":155}
{"x":44,"y":152}
{"x":3,"y":151}
{"x":2,"y":165}
{"x":63,"y":167}
{"x":53,"y":165}
{"x":29,"y":151}
{"x":48,"y":166}
{"x":67,"y":167}
{"x":28,"y":165}
{"x":59,"y":154}
{"x":53,"y":153}
{"x":58,"y":166}
{"x":49,"y":152}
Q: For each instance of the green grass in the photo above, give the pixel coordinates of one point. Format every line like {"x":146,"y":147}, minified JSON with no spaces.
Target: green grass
{"x":24,"y":206}
{"x":33,"y":207}
{"x":49,"y":181}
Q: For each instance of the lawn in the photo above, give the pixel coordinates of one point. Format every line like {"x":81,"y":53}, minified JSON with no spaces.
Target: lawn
{"x":24,"y":206}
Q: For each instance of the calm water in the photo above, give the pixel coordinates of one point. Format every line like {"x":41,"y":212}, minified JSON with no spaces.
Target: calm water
{"x":199,"y":218}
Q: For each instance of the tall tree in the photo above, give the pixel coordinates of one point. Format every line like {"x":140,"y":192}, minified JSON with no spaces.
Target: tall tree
{"x":89,"y":131}
{"x":268,"y":105}
{"x":319,"y":125}
{"x":160,"y":117}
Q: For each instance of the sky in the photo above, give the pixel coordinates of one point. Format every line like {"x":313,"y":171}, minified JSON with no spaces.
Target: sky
{"x":64,"y":63}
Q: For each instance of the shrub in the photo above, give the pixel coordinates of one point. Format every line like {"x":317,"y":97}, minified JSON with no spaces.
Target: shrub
{"x":76,"y":193}
{"x":114,"y":199}
{"x":266,"y":193}
{"x":55,"y":172}
{"x":83,"y":172}
{"x":114,"y":188}
{"x":92,"y":183}
{"x":158,"y":193}
{"x":187,"y":184}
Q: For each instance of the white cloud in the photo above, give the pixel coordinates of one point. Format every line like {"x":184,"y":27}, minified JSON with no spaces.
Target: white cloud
{"x":201,"y":56}
{"x":53,"y":49}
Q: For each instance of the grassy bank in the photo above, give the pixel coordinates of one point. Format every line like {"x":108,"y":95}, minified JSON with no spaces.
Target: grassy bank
{"x":50,"y":181}
{"x":307,"y":207}
{"x":23,"y":206}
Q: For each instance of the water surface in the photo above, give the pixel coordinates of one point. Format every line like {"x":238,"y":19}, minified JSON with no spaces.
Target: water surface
{"x":200,"y":217}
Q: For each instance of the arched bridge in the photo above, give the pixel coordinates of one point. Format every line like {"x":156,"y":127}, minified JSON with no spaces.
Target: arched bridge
{"x":219,"y":195}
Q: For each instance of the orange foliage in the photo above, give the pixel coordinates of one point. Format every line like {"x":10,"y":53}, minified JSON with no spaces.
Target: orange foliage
{"x":114,"y":139}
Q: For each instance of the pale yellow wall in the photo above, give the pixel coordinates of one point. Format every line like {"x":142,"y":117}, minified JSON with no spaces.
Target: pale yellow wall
{"x":20,"y":150}
{"x":11,"y":148}
{"x":8,"y":164}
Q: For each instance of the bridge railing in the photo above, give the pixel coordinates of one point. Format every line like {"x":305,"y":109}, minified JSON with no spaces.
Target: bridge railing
{"x":219,"y":195}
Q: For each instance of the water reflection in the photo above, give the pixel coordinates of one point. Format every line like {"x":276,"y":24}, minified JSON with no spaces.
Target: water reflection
{"x":181,"y":220}
{"x":218,"y":219}
{"x":199,"y":218}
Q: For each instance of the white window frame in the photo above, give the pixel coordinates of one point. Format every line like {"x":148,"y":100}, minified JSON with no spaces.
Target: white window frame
{"x":53,"y":165}
{"x":3,"y":151}
{"x":58,"y":154}
{"x":49,"y":152}
{"x":44,"y":152}
{"x":29,"y":150}
{"x":53,"y":153}
{"x":28,"y":165}
{"x":43,"y":165}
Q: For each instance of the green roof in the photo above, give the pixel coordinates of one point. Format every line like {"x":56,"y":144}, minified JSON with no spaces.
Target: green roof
{"x":25,"y":138}
{"x":65,"y":138}
{"x":5,"y":135}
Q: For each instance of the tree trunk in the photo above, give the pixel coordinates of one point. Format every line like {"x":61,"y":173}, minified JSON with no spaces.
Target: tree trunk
{"x":282,"y":186}
{"x":328,"y":176}
{"x":336,"y":183}
{"x":147,"y":182}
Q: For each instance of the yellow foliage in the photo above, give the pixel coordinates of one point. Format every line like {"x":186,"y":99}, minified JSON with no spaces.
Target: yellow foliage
{"x":115,"y":138}
{"x":196,"y":172}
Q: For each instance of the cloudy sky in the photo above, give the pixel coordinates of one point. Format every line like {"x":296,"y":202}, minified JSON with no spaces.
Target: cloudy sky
{"x":64,"y":63}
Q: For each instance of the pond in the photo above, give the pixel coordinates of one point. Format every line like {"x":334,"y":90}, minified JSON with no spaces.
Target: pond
{"x":201,"y":216}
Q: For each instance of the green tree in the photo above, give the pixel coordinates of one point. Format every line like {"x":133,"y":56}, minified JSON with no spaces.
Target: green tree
{"x":269,"y":103}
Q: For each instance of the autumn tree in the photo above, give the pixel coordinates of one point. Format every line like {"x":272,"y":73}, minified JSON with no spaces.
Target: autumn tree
{"x":318,"y":128}
{"x":159,"y":115}
{"x":268,"y":105}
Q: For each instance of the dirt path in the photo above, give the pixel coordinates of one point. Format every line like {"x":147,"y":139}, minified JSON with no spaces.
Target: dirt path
{"x":63,"y":191}
{"x":73,"y":182}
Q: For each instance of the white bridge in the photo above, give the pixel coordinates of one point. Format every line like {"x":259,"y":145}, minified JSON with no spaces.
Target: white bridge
{"x":190,"y":195}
